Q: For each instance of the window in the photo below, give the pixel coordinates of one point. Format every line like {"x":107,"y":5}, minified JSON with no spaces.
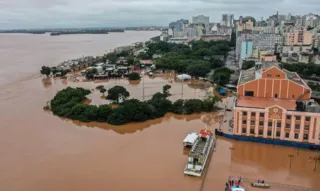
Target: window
{"x":288,"y":126}
{"x":260,"y":132}
{"x":249,"y":93}
{"x":244,"y":122}
{"x":298,"y":118}
{"x":261,"y":114}
{"x":306,"y":127}
{"x":252,"y":123}
{"x":278,"y":134}
{"x":269,"y":133}
{"x":297,"y":126}
{"x":296,"y":136}
{"x":252,"y":131}
{"x":279,"y":125}
{"x":305,"y":137}
{"x":307,"y":118}
{"x":278,"y":76}
{"x":269,"y":75}
{"x":244,"y":113}
{"x":253,"y":114}
{"x":260,"y":123}
{"x":287,"y":134}
{"x":244,"y":130}
{"x":275,"y":95}
{"x":288,"y":117}
{"x":269,"y":124}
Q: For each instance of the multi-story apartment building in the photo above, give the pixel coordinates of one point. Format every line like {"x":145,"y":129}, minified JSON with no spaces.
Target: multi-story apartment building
{"x":298,"y":37}
{"x":274,"y":106}
{"x":267,"y":41}
{"x":215,"y":37}
{"x":201,"y":19}
{"x":246,"y":49}
{"x":227,"y":20}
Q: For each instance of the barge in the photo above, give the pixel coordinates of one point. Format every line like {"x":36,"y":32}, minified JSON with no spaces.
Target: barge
{"x":199,"y":153}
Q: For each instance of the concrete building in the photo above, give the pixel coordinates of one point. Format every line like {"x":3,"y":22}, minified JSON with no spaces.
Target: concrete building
{"x":298,"y":37}
{"x":201,"y":19}
{"x":275,"y":105}
{"x":267,"y":41}
{"x":246,"y":49}
{"x":227,"y":20}
{"x":215,"y":37}
{"x":268,"y":58}
{"x":176,"y":28}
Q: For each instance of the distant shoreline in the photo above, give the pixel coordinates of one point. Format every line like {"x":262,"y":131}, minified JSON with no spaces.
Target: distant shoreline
{"x":63,"y":32}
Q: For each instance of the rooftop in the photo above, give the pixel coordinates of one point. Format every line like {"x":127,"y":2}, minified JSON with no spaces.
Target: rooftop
{"x":250,"y":74}
{"x":265,"y":102}
{"x":254,"y":102}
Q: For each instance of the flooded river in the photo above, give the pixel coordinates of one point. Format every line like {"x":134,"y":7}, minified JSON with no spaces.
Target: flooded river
{"x":40,"y":151}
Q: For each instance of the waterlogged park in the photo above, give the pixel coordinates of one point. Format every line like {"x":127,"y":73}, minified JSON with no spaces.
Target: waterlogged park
{"x":68,"y":103}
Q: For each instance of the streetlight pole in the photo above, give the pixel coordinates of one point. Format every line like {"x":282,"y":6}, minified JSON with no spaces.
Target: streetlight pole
{"x":232,"y":149}
{"x":316,"y":159}
{"x":290,"y":156}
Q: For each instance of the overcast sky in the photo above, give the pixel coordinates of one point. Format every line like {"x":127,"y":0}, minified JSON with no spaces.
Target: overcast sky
{"x":120,"y":13}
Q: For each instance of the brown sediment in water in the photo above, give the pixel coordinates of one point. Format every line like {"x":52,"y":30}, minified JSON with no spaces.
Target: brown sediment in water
{"x":40,"y":151}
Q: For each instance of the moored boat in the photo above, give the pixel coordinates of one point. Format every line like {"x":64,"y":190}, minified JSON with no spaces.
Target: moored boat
{"x":199,"y":153}
{"x":234,"y":184}
{"x":260,"y":185}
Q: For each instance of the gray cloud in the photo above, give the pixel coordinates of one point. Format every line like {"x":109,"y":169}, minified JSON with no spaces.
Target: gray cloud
{"x":118,"y":13}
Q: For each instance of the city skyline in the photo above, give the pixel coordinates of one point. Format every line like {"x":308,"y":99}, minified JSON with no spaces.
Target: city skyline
{"x":128,"y":13}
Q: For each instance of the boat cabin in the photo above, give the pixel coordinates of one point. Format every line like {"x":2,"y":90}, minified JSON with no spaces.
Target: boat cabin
{"x":190,"y":139}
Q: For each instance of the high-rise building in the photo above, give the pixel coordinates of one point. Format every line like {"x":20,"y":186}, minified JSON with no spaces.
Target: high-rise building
{"x":227,"y":20}
{"x":246,"y":49}
{"x":201,"y":19}
{"x":298,"y":37}
{"x":177,"y":27}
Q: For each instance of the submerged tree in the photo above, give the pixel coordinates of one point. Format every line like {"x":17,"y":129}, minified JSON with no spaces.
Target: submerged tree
{"x":165,"y":90}
{"x":45,"y":70}
{"x":103,"y":90}
{"x":116,"y":93}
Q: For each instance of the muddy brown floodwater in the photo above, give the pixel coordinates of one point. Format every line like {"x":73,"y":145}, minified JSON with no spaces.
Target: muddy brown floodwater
{"x":40,"y":151}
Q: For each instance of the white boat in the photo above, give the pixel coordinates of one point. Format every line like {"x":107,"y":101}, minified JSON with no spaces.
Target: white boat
{"x":199,"y":153}
{"x":190,"y":139}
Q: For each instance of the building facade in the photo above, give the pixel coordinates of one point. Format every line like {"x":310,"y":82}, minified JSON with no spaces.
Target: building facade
{"x":298,"y":37}
{"x":214,"y":37}
{"x":246,"y":49}
{"x":275,"y":104}
{"x":201,"y":19}
{"x":227,"y":20}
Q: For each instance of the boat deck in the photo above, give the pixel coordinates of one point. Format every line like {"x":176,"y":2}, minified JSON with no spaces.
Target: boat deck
{"x":200,"y":147}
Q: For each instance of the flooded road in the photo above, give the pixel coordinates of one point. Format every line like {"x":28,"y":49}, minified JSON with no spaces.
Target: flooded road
{"x":40,"y":151}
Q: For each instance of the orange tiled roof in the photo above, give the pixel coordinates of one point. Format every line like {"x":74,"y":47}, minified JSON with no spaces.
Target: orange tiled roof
{"x":265,"y":102}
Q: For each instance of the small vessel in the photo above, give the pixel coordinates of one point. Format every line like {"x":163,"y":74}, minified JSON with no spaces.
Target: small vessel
{"x":199,"y":153}
{"x":190,"y":139}
{"x":234,"y":184}
{"x":260,"y":185}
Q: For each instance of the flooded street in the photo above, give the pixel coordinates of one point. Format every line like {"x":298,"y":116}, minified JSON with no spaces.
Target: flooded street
{"x":40,"y":151}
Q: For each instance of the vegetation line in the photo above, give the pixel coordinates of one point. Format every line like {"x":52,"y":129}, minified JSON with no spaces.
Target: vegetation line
{"x":67,"y":103}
